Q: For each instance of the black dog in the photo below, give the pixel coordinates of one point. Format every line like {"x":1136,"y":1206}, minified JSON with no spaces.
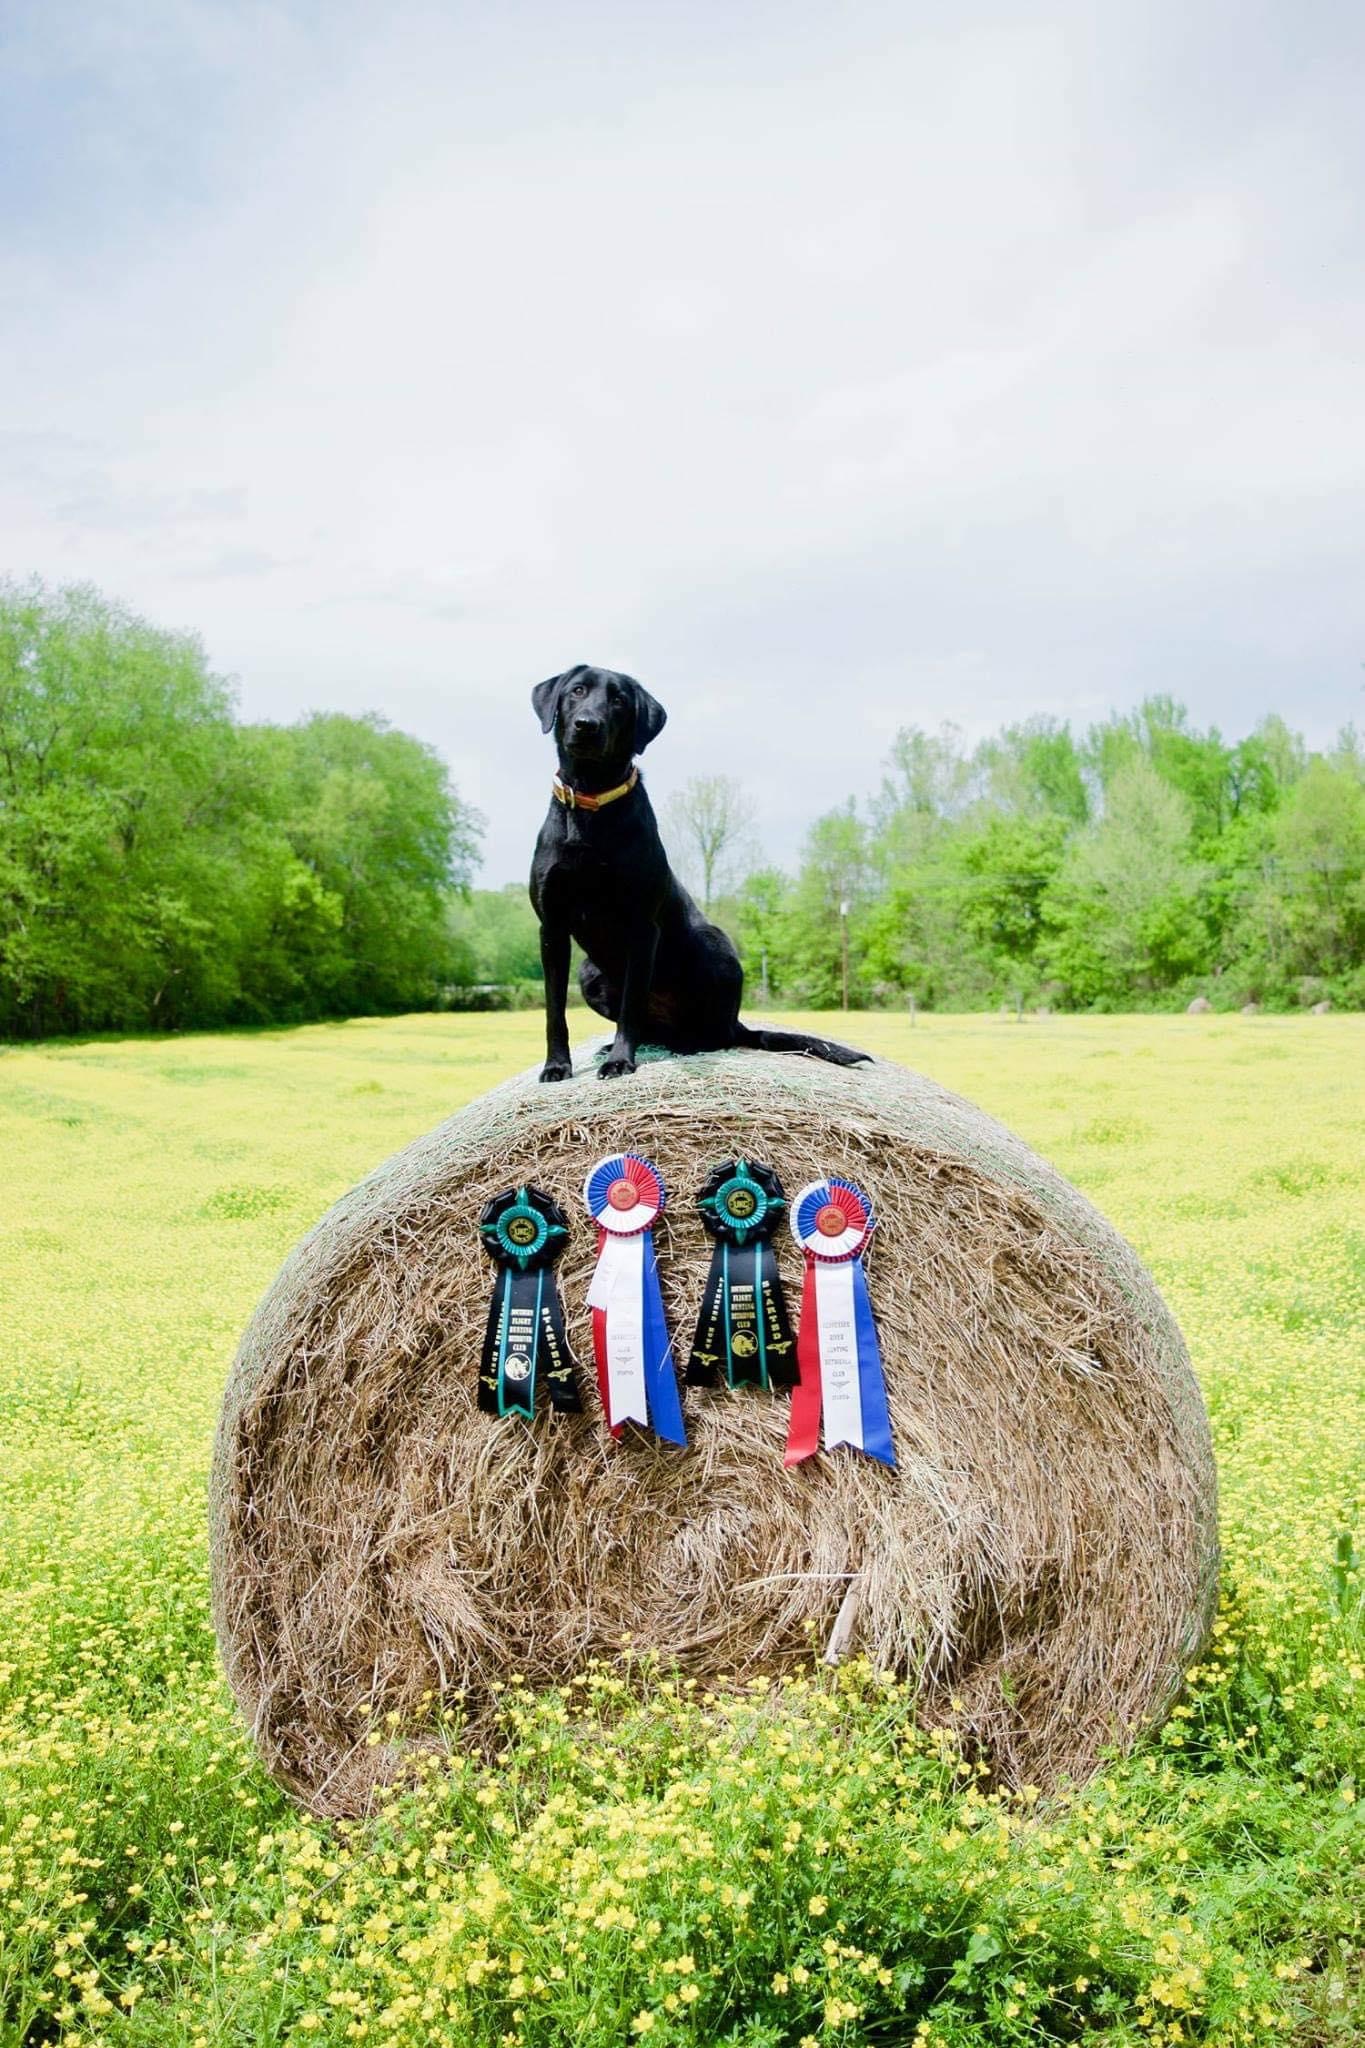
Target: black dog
{"x":600,"y":875}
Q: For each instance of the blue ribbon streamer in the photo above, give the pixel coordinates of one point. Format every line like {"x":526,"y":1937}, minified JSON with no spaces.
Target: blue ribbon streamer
{"x":871,"y":1384}
{"x":661,"y":1382}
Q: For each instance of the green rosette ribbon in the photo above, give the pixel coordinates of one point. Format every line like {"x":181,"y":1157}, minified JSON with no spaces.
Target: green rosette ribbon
{"x":524,"y":1231}
{"x":744,"y":1334}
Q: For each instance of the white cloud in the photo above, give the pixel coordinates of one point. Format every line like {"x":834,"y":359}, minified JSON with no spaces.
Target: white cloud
{"x":830,"y":371}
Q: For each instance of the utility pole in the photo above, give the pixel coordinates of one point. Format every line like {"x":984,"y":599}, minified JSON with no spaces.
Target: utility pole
{"x":843,"y":943}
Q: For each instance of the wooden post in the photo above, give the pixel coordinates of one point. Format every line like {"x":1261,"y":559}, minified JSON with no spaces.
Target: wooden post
{"x":841,"y":1635}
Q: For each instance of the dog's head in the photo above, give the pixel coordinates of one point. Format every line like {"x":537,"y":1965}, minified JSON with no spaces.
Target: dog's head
{"x":597,"y":715}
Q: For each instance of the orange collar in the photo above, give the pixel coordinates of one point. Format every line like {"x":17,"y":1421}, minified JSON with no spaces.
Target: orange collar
{"x":574,"y":800}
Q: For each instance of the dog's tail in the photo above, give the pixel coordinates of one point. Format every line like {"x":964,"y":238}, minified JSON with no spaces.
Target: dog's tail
{"x":800,"y":1041}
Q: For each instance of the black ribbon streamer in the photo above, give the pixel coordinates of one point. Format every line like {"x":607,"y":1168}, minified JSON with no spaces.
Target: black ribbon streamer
{"x":743,"y":1329}
{"x":524,"y":1231}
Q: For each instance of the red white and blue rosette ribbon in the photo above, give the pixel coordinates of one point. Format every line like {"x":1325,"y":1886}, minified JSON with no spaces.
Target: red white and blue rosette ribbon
{"x":836,"y":1348}
{"x":625,"y":1196}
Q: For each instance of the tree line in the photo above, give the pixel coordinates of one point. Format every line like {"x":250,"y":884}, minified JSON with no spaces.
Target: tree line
{"x":164,"y":865}
{"x":1137,"y":865}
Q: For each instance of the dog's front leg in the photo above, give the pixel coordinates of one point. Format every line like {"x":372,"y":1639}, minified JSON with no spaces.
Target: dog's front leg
{"x":639,"y":979}
{"x":554,"y":959}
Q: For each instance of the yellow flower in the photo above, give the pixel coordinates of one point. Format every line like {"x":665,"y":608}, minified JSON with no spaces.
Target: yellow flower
{"x":819,"y":1906}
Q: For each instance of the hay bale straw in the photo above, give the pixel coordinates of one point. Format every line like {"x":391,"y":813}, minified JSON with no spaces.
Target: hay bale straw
{"x":1041,"y":1565}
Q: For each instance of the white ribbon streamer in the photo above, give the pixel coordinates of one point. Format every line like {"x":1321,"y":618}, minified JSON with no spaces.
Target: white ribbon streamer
{"x":618,"y":1288}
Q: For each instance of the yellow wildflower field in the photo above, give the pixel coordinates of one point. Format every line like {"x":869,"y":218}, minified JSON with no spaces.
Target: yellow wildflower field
{"x":640,"y":1860}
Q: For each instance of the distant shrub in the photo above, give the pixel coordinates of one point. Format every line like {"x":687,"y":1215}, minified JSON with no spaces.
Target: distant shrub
{"x":492,"y":995}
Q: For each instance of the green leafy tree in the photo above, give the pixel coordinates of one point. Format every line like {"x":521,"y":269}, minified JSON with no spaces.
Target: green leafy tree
{"x":113,"y":761}
{"x":836,"y":871}
{"x":1012,"y":863}
{"x":928,"y":780}
{"x":1036,"y":768}
{"x":371,"y":815}
{"x":161,"y":865}
{"x":499,"y":935}
{"x":1121,"y":919}
{"x":759,"y":919}
{"x":1319,"y":870}
{"x":1198,"y":765}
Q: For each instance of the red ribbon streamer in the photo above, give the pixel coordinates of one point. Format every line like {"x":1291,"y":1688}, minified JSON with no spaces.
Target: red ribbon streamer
{"x":803,"y":1431}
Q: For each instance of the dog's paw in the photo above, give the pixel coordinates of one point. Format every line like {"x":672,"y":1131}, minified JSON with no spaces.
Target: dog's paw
{"x":612,"y":1069}
{"x":557,"y":1070}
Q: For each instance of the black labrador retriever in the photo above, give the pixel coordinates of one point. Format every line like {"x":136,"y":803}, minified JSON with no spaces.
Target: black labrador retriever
{"x":600,"y":875}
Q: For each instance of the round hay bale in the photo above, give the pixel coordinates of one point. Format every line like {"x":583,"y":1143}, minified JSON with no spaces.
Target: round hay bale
{"x":1041,"y":1565}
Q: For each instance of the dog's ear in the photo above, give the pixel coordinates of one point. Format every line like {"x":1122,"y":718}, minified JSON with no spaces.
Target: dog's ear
{"x":545,"y":698}
{"x":650,"y":716}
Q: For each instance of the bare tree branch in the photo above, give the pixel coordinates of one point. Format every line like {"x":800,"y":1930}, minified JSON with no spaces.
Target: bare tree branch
{"x":711,"y":821}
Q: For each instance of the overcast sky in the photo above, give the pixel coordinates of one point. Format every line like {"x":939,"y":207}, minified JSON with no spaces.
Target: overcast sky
{"x":828,"y":368}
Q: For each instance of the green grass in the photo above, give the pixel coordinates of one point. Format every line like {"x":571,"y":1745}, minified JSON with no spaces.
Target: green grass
{"x":643,"y":1862}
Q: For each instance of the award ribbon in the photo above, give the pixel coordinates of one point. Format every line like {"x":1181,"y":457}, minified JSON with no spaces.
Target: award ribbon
{"x":625,"y":1194}
{"x":836,"y":1350}
{"x":524,"y":1232}
{"x":744,"y":1325}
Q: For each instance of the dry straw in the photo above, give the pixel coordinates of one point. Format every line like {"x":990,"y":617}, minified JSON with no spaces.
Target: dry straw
{"x":1041,"y":1564}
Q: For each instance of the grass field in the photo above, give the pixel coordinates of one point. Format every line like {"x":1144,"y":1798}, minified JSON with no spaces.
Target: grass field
{"x":642,"y":1863}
